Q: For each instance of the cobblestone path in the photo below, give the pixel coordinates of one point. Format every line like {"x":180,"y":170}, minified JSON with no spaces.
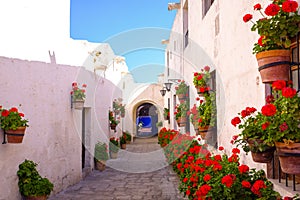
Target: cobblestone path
{"x":140,"y":172}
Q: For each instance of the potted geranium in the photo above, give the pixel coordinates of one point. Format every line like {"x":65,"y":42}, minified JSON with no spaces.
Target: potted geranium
{"x":166,"y":114}
{"x":114,"y":147}
{"x":101,"y":155}
{"x":201,"y":80}
{"x":181,"y":90}
{"x":31,"y":184}
{"x":123,"y":141}
{"x":253,"y":136}
{"x":181,"y":113}
{"x":205,"y":116}
{"x":13,"y":123}
{"x":204,"y":175}
{"x":78,"y":95}
{"x":283,"y":118}
{"x":276,"y":28}
{"x":112,"y":120}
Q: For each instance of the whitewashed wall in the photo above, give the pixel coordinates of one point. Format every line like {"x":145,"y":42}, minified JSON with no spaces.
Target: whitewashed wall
{"x":224,"y":42}
{"x":53,"y":139}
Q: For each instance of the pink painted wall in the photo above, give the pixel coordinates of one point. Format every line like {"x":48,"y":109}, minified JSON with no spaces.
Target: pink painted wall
{"x":53,"y":139}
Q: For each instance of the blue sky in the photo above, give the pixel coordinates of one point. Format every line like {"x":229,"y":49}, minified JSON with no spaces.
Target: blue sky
{"x":122,"y":23}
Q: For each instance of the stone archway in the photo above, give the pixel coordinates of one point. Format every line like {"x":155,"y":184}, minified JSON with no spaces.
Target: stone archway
{"x":146,"y":117}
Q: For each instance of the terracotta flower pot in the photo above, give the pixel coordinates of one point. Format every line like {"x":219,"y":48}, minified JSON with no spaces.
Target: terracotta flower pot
{"x":44,"y":197}
{"x":181,"y":121}
{"x":15,"y":136}
{"x":289,"y":157}
{"x":113,"y":155}
{"x":181,"y":97}
{"x":205,"y":132}
{"x":274,"y":65}
{"x":123,"y":146}
{"x":78,"y":104}
{"x":261,"y":157}
{"x":100,"y":165}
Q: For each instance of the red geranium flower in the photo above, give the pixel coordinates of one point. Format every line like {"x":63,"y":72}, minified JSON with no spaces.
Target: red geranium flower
{"x":257,"y":7}
{"x":289,"y":6}
{"x":235,"y":121}
{"x":228,"y":180}
{"x":288,"y":92}
{"x":207,"y":177}
{"x":243,"y":169}
{"x":272,"y":9}
{"x":246,"y":184}
{"x":268,"y":110}
{"x":265,"y":125}
{"x":278,"y":85}
{"x":283,"y":127}
{"x":247,"y":17}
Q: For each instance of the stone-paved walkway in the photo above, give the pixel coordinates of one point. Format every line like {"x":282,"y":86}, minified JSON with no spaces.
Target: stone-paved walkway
{"x":140,"y":172}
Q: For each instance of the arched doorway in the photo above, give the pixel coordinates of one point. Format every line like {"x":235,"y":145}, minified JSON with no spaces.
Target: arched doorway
{"x":146,"y":119}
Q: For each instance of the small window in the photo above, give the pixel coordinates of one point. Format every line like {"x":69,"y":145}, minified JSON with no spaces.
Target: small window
{"x":206,"y":5}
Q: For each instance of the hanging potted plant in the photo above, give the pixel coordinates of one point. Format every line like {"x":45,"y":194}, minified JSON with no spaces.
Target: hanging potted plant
{"x":166,"y":114}
{"x":13,"y":124}
{"x":182,"y":91}
{"x":283,"y":119}
{"x":201,"y":80}
{"x":276,"y":28}
{"x":181,"y":113}
{"x":112,"y":120}
{"x":101,"y":155}
{"x":113,"y":147}
{"x":206,"y":112}
{"x":253,"y":136}
{"x":78,"y":95}
{"x":122,"y":110}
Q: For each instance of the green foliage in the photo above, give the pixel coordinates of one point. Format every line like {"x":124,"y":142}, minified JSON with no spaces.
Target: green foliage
{"x":182,"y":88}
{"x":166,"y":135}
{"x":276,"y":31}
{"x":166,"y":113}
{"x":202,"y":78}
{"x":30,"y":182}
{"x":128,"y":135}
{"x":123,"y":139}
{"x":77,"y":92}
{"x":11,"y":119}
{"x":205,"y":114}
{"x":159,"y":124}
{"x":181,"y":110}
{"x":101,"y":151}
{"x":112,"y":119}
{"x":114,"y":144}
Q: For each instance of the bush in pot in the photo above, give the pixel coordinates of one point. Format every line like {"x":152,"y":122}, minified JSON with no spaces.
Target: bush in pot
{"x":31,"y":184}
{"x":101,"y":155}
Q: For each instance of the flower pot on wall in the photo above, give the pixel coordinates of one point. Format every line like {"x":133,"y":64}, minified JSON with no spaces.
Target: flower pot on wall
{"x":289,"y":157}
{"x":205,"y":132}
{"x":113,"y":126}
{"x":274,"y":65}
{"x":15,"y":136}
{"x":181,"y":97}
{"x":181,"y":121}
{"x":78,"y":104}
{"x":260,"y":157}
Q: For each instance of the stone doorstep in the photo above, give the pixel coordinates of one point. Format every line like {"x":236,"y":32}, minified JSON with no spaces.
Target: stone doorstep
{"x":283,"y":190}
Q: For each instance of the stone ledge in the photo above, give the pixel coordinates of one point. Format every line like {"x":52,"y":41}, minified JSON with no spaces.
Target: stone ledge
{"x":283,"y":190}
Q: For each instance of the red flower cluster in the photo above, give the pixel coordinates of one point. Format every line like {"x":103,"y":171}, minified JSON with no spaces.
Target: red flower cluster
{"x":272,"y":10}
{"x":257,"y":186}
{"x":165,"y":136}
{"x":290,"y":6}
{"x":228,"y":180}
{"x":268,"y":110}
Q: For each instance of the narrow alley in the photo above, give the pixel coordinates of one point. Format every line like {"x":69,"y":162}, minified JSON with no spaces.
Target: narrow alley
{"x":140,"y":172}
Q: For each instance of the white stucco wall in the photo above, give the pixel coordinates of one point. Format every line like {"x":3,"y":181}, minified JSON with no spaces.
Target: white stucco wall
{"x":229,"y":52}
{"x":53,"y":139}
